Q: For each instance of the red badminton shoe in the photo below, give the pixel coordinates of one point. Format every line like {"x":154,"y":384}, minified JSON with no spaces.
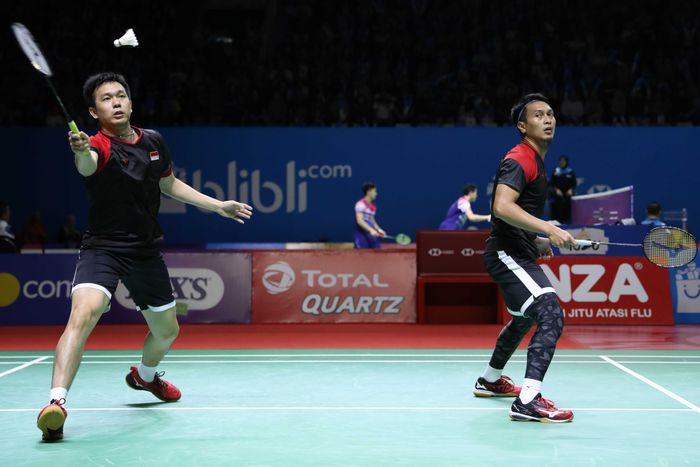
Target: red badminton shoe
{"x":163,"y":390}
{"x":51,"y":419}
{"x":502,"y":387}
{"x":539,"y":409}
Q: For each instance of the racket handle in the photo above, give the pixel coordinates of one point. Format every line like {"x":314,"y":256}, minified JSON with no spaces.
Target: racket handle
{"x":73,"y":127}
{"x":585,"y":243}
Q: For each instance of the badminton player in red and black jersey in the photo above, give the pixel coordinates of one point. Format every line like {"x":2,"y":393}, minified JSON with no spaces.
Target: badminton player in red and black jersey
{"x":511,"y":253}
{"x":125,"y":170}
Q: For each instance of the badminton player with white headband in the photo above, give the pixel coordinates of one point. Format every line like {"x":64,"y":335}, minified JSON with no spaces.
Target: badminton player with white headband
{"x":511,"y":253}
{"x":125,"y":170}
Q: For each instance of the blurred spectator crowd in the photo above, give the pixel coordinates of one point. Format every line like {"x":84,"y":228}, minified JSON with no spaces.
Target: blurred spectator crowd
{"x":364,"y":62}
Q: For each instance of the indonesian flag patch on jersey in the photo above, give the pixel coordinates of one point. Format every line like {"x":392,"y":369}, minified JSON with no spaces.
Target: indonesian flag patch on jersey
{"x":154,"y":155}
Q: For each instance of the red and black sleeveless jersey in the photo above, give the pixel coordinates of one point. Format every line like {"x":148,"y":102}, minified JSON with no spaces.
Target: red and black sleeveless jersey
{"x":522,"y":169}
{"x":123,"y":193}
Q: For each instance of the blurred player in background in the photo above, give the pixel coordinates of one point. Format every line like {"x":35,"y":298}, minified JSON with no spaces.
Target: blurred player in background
{"x":511,"y":253}
{"x":563,"y":187}
{"x":461,"y":211}
{"x":367,"y":231}
{"x":653,"y":215}
{"x":125,"y":170}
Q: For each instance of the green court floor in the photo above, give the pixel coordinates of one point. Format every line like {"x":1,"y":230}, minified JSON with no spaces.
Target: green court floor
{"x":355,"y":408}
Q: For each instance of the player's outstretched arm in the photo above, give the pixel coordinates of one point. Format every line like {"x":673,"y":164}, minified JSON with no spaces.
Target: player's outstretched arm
{"x":505,"y":208}
{"x":85,"y":159}
{"x":181,"y":191}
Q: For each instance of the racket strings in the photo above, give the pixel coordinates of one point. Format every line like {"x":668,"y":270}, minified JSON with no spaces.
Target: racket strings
{"x":670,"y":247}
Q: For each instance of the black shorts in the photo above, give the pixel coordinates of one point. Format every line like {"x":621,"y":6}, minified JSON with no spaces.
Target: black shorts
{"x":144,"y":275}
{"x":521,"y":280}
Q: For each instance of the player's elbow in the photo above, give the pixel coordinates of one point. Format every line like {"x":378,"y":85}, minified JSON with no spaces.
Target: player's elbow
{"x":499,"y":208}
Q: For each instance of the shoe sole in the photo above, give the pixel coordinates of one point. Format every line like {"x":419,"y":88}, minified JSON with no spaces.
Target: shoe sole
{"x":486,"y":393}
{"x":50,"y":421}
{"x":139,"y":388}
{"x":518,"y":417}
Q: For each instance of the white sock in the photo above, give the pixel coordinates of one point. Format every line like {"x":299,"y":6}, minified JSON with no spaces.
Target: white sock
{"x":491,"y":374}
{"x":147,"y":373}
{"x":530,"y":388}
{"x":58,"y":394}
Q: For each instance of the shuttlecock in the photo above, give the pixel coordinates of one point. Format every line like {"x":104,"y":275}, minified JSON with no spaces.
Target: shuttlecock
{"x":129,"y":38}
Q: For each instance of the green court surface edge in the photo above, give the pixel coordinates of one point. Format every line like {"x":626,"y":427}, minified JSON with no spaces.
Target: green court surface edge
{"x":359,"y":407}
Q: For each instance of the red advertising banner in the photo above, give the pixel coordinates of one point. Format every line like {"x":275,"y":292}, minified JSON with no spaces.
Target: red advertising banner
{"x":341,"y":286}
{"x":610,"y":290}
{"x":451,"y":251}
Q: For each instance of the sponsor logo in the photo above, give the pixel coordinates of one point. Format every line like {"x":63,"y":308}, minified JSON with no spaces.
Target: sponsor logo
{"x":315,"y":304}
{"x":440,"y":252}
{"x":154,"y":155}
{"x":278,"y":277}
{"x":688,"y":289}
{"x":9,"y":289}
{"x":198,"y":288}
{"x":624,"y":283}
{"x":266,"y":196}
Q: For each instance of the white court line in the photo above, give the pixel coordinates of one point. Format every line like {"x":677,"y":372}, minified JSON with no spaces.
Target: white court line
{"x":654,"y":385}
{"x":24,"y":365}
{"x":335,"y":408}
{"x":190,"y":362}
{"x":234,"y":362}
{"x":292,"y":355}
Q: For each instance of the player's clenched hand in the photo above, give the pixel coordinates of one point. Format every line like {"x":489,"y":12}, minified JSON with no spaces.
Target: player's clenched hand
{"x":544,"y":247}
{"x":235,"y":210}
{"x":79,"y":143}
{"x":561,"y":238}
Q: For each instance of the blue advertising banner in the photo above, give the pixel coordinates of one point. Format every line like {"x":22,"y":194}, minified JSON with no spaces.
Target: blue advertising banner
{"x":304,"y":182}
{"x":208,"y":287}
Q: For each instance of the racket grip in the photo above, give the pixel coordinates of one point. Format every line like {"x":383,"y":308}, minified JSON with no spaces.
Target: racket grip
{"x":73,"y":127}
{"x":585,"y":242}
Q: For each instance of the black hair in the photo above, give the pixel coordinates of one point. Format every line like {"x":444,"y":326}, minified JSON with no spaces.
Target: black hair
{"x":518,"y":113}
{"x":653,"y":208}
{"x":469,"y":188}
{"x":367,"y":186}
{"x":96,"y":80}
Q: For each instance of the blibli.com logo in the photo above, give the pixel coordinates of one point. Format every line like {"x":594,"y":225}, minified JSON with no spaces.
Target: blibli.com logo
{"x":278,"y":277}
{"x":266,"y":196}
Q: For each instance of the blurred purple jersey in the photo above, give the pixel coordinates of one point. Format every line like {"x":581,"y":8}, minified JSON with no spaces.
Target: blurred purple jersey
{"x":456,"y":216}
{"x":361,"y":237}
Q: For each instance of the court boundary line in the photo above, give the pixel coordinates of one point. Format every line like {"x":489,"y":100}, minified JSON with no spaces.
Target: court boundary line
{"x":24,"y":365}
{"x":651,"y":383}
{"x":246,"y":362}
{"x":301,"y":408}
{"x":174,"y":354}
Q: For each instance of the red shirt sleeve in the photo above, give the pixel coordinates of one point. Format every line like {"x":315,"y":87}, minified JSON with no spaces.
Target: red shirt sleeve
{"x":525,"y":157}
{"x":103,"y":147}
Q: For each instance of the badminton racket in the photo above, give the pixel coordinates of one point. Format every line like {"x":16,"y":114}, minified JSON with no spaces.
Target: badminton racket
{"x":36,"y":58}
{"x":401,"y":239}
{"x":669,"y":247}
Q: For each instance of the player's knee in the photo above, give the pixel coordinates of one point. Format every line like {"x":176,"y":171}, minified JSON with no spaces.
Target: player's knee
{"x":168,"y":332}
{"x":83,"y":314}
{"x":548,"y":313}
